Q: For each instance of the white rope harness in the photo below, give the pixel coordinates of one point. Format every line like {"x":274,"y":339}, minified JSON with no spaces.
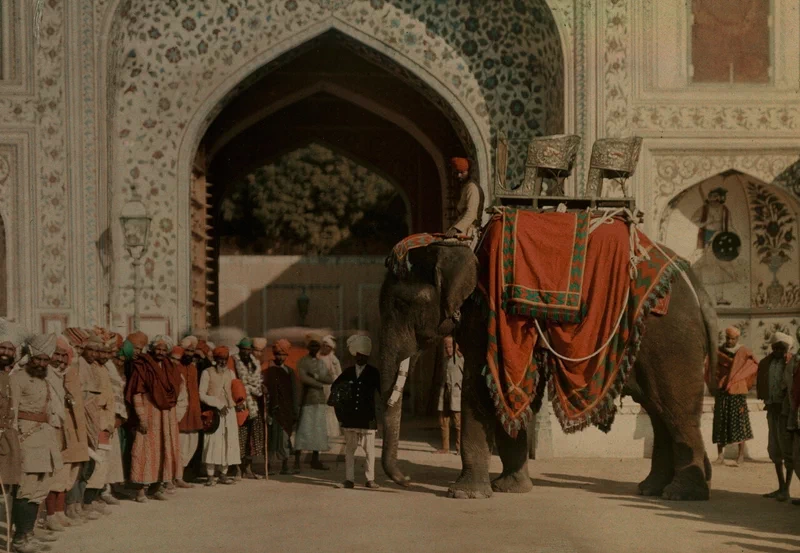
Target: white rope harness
{"x":604,"y":346}
{"x":637,"y":254}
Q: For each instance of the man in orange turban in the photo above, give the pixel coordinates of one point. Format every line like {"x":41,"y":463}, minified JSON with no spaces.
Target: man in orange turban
{"x":221,"y":353}
{"x":202,"y":352}
{"x":470,"y":204}
{"x":283,"y":407}
{"x":281,"y":347}
{"x":139,"y":341}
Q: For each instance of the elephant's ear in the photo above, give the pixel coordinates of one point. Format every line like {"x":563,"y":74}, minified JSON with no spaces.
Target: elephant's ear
{"x":456,"y":276}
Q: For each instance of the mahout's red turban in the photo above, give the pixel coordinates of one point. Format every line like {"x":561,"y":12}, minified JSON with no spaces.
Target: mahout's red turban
{"x":460,"y":164}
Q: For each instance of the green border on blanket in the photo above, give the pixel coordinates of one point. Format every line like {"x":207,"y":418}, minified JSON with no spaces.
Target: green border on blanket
{"x":563,"y":306}
{"x":603,"y":414}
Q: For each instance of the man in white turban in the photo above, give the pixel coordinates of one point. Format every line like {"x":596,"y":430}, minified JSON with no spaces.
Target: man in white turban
{"x":162,"y":339}
{"x":41,"y":454}
{"x":189,"y":343}
{"x":14,"y":335}
{"x":359,"y":344}
{"x":354,"y":396}
{"x":773,"y":386}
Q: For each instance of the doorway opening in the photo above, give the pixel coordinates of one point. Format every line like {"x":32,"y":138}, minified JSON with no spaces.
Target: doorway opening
{"x":305,"y":179}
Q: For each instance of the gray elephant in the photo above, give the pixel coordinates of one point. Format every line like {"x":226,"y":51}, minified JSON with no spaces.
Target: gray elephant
{"x":667,"y":377}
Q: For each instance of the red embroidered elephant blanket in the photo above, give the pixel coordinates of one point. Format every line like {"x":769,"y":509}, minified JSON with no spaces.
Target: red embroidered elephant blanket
{"x":549,"y":267}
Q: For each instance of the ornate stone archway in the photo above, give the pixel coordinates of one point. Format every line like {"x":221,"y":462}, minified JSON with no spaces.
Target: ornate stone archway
{"x":492,"y":67}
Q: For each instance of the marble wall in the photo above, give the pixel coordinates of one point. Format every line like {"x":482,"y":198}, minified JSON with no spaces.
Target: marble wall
{"x":103,"y":97}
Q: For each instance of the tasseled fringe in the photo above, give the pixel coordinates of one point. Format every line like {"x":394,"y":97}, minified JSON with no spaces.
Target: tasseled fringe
{"x":603,"y":414}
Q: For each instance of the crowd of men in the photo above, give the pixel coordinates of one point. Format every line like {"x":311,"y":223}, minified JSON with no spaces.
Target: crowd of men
{"x":777,"y":382}
{"x":89,"y":417}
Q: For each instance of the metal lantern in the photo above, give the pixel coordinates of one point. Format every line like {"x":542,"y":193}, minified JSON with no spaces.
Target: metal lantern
{"x":135,"y":227}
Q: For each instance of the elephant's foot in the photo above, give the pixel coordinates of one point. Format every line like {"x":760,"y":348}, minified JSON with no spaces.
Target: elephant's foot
{"x":468,"y":487}
{"x":517,"y":482}
{"x":688,"y":485}
{"x":654,"y":484}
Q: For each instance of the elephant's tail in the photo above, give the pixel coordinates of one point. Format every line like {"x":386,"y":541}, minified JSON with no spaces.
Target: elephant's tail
{"x":709,"y":315}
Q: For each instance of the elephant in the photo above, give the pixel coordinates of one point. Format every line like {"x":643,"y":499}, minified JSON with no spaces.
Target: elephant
{"x":435,"y":300}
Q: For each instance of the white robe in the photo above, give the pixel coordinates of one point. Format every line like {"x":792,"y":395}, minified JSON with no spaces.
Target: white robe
{"x":335,"y":369}
{"x":221,"y":447}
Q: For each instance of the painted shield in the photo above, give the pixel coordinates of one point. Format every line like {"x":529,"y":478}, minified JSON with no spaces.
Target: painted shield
{"x":726,"y":246}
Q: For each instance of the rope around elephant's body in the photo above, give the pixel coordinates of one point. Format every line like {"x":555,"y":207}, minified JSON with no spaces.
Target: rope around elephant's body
{"x":635,"y":248}
{"x":604,"y":346}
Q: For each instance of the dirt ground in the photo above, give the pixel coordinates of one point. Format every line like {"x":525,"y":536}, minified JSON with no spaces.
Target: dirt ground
{"x":577,"y":505}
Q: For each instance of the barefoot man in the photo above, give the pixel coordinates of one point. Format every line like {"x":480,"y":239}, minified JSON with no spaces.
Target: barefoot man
{"x":736,"y":374}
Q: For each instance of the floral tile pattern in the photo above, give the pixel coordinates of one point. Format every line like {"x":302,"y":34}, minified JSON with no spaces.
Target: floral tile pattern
{"x":52,"y":200}
{"x":438,"y":35}
{"x":502,"y":60}
{"x":790,"y":178}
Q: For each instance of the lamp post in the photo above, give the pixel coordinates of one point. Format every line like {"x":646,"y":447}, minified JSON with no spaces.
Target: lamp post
{"x":303,"y":302}
{"x":135,"y":227}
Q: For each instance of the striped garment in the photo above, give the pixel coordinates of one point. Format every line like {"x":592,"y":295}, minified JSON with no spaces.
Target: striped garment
{"x":156,"y":456}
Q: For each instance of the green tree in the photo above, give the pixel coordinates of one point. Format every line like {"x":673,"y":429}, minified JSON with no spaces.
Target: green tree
{"x":312,"y":201}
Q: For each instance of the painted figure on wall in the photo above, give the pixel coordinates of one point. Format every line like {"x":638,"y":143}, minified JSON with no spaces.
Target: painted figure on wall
{"x":718,"y":244}
{"x":713,"y":217}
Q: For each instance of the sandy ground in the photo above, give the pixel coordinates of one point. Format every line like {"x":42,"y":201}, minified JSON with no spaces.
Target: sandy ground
{"x":577,"y":505}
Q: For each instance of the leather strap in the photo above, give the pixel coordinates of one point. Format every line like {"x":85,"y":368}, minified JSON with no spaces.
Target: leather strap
{"x":34,"y":417}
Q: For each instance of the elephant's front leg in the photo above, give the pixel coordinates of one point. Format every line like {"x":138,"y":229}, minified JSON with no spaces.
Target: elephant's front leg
{"x":514,"y":454}
{"x":477,"y":415}
{"x":476,"y":452}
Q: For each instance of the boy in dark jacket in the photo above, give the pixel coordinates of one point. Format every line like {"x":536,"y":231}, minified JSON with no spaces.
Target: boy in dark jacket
{"x":354,"y":395}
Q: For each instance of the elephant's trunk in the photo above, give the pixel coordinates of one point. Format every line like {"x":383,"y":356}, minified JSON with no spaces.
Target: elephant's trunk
{"x":392,"y":380}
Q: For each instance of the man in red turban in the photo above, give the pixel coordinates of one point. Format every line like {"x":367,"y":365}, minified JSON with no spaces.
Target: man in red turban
{"x":189,"y":422}
{"x":221,"y":352}
{"x":470,"y":203}
{"x":153,"y":390}
{"x":139,"y":341}
{"x":283,"y":407}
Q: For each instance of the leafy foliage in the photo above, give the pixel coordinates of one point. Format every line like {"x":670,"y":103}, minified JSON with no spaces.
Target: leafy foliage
{"x":773,"y":225}
{"x":312,"y":201}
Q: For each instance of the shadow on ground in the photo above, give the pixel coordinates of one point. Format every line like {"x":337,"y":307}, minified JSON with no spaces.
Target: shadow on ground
{"x":750,"y":513}
{"x":747,"y":511}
